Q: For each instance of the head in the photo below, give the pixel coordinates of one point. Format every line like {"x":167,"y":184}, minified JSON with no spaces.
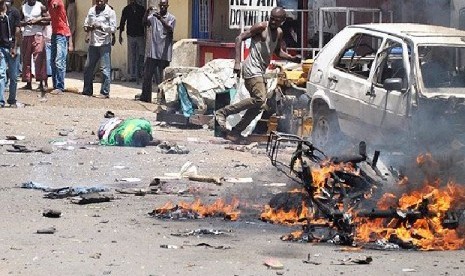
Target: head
{"x":277,"y":17}
{"x":163,"y":6}
{"x":100,"y":3}
{"x":132,"y":2}
{"x":31,"y":2}
{"x":141,"y":138}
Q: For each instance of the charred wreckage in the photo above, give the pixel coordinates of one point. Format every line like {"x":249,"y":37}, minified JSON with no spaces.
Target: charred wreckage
{"x":345,"y":200}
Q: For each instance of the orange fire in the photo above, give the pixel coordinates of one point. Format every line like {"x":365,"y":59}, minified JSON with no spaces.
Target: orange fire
{"x":425,"y":233}
{"x":217,"y":208}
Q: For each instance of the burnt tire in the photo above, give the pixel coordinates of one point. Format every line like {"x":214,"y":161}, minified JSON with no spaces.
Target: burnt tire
{"x":326,"y":133}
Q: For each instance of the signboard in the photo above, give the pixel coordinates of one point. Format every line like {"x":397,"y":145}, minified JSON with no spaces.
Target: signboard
{"x":329,"y":18}
{"x":249,"y":11}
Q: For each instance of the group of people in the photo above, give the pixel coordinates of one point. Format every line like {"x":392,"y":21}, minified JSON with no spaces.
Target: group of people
{"x":31,"y":31}
{"x":100,"y":26}
{"x":38,"y":27}
{"x":155,"y":44}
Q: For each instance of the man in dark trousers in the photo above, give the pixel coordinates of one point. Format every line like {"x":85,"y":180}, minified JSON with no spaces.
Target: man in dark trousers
{"x":266,"y":39}
{"x":100,"y":24}
{"x":133,"y":16}
{"x":9,"y":36}
{"x":161,"y":47}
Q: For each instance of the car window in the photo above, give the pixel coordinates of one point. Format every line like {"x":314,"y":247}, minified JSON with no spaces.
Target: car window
{"x":442,"y":67}
{"x":390,"y":64}
{"x":358,"y":56}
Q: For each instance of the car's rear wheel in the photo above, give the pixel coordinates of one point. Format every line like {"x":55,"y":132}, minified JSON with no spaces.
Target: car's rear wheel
{"x":325,"y":132}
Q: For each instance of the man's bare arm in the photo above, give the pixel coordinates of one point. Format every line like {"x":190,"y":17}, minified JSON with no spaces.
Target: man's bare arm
{"x":281,"y":54}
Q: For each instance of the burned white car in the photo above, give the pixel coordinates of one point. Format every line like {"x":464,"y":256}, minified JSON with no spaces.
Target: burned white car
{"x":388,"y":84}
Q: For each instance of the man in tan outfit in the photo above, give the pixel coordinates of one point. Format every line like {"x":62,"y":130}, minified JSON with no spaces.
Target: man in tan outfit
{"x":266,"y":39}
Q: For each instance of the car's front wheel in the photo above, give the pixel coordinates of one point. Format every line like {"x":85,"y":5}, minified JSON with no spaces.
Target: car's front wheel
{"x":325,"y":131}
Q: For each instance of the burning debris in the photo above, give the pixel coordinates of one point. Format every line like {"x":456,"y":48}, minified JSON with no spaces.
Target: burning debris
{"x":336,"y":204}
{"x":197,"y":209}
{"x":349,"y":200}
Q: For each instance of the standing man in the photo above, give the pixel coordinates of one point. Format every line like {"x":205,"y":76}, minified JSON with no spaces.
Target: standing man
{"x":100,"y":24}
{"x":61,"y":34}
{"x":266,"y":39}
{"x":9,"y":36}
{"x":161,"y":47}
{"x":35,"y":17}
{"x":133,"y":14}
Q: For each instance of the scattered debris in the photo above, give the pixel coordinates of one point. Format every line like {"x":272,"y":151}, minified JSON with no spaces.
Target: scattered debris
{"x":15,"y":137}
{"x":186,"y":170}
{"x":361,"y":261}
{"x":238,"y":179}
{"x":224,"y":247}
{"x":242,"y":148}
{"x":50,"y":230}
{"x":63,"y":192}
{"x":120,"y":167}
{"x":273,"y":263}
{"x":308,"y":261}
{"x":6,"y":142}
{"x":199,"y":232}
{"x":63,"y":133}
{"x":41,"y":163}
{"x":90,"y":198}
{"x":275,"y":185}
{"x":409,"y":270}
{"x":171,"y":148}
{"x":208,"y":179}
{"x":96,"y":256}
{"x":135,"y":191}
{"x":50,"y":213}
{"x":170,"y":246}
{"x":128,"y":179}
{"x":21,"y":149}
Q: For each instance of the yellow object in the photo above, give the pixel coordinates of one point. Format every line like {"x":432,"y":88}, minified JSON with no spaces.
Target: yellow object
{"x":293,"y":75}
{"x":307,"y":65}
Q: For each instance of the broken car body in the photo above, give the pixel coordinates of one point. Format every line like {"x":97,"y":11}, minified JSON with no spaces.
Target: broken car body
{"x":388,"y":83}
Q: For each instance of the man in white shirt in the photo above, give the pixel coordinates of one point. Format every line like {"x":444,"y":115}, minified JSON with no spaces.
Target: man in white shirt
{"x":100,"y":24}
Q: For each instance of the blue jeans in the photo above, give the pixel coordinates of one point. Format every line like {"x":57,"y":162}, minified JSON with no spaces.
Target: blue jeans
{"x":94,"y":54}
{"x":58,"y":57}
{"x":7,"y":60}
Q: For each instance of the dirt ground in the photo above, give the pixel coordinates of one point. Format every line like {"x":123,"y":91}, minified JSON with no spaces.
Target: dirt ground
{"x":119,"y":237}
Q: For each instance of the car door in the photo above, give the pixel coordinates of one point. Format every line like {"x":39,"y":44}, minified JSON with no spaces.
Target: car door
{"x":385,"y":112}
{"x":348,"y":80}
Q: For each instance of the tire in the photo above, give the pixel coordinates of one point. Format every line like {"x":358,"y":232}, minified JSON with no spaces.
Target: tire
{"x":326,"y":133}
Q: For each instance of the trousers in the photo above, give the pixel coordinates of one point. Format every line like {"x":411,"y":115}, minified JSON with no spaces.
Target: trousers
{"x":254,"y":105}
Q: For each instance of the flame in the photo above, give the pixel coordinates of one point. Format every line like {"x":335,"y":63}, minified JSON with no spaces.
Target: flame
{"x":426,"y":233}
{"x":431,"y":203}
{"x":218,"y":208}
{"x":305,"y":214}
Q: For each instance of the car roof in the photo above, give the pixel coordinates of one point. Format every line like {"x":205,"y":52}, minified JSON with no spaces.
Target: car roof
{"x":412,"y":30}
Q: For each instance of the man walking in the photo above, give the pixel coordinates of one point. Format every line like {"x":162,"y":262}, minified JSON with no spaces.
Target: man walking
{"x":61,"y":34}
{"x":100,"y":24}
{"x":9,"y":36}
{"x":161,"y":47}
{"x":266,"y":39}
{"x":133,"y":14}
{"x":34,"y":16}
